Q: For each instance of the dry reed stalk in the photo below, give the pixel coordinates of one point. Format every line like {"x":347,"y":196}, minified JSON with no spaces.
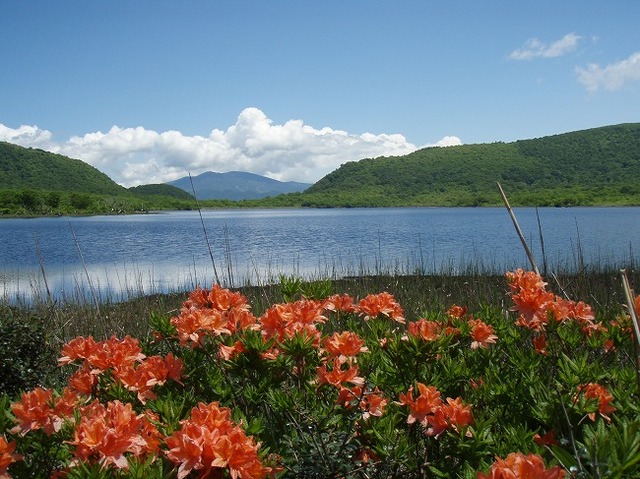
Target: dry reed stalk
{"x":206,"y":236}
{"x":518,"y":230}
{"x":628,"y":293}
{"x":86,"y":271}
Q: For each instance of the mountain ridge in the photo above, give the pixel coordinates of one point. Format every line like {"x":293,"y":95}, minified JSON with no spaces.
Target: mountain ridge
{"x":235,"y":186}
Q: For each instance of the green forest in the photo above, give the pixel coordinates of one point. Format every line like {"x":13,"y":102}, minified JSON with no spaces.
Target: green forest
{"x":599,"y":166}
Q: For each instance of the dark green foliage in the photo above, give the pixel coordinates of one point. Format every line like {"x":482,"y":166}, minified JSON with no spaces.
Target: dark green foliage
{"x":27,"y":357}
{"x":161,"y":190}
{"x":597,"y":166}
{"x":28,"y":168}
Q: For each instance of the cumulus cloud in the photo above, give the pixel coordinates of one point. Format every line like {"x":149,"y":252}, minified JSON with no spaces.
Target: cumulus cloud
{"x":292,"y":151}
{"x":611,"y":77}
{"x":534,"y":48}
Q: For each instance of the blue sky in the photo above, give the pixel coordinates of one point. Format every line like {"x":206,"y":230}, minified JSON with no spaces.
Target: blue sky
{"x":149,"y":91}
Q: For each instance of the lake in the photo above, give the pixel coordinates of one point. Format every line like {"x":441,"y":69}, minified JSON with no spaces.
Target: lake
{"x":123,"y":256}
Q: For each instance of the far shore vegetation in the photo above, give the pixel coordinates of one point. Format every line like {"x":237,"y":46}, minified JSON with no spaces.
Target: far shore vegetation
{"x":596,"y":167}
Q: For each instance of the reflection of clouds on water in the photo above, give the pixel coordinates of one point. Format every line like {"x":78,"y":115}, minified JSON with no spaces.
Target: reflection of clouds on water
{"x":126,"y":256}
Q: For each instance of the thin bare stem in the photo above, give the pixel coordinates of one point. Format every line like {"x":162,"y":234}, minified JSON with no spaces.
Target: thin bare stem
{"x":628,"y":293}
{"x":86,"y":271}
{"x":518,"y":230}
{"x":206,"y":236}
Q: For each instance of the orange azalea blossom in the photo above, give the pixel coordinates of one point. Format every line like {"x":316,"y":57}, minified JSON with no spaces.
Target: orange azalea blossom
{"x":547,"y":439}
{"x":153,"y":371}
{"x":229,"y":352}
{"x":105,"y":434}
{"x":530,"y":298}
{"x":217,"y":298}
{"x":209,"y":442}
{"x":284,"y":321}
{"x":537,"y":306}
{"x":425,"y":329}
{"x":456,"y":311}
{"x":435,"y":415}
{"x":540,"y":343}
{"x":636,"y":305}
{"x":213,"y":312}
{"x":338,"y":376}
{"x":338,"y":302}
{"x":78,"y":348}
{"x":521,"y":466}
{"x":372,"y":403}
{"x":345,"y":344}
{"x":102,"y":355}
{"x":482,"y":334}
{"x":35,"y":411}
{"x":423,"y":406}
{"x":452,"y":414}
{"x":7,"y":456}
{"x":383,"y":303}
{"x":599,"y":393}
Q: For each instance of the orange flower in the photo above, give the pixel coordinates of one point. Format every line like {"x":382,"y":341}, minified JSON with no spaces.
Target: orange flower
{"x":229,"y":352}
{"x":78,"y":348}
{"x":7,"y":456}
{"x":482,"y":334}
{"x":34,"y":411}
{"x":384,"y":303}
{"x":83,"y":380}
{"x":530,"y":298}
{"x":345,"y":344}
{"x":209,"y":442}
{"x":425,"y":329}
{"x":337,"y":376}
{"x":597,"y":392}
{"x":521,"y":466}
{"x":422,"y":406}
{"x":548,"y":438}
{"x":340,"y":303}
{"x":456,"y":311}
{"x":373,"y":404}
{"x":540,"y":343}
{"x":106,"y":433}
{"x":284,"y":321}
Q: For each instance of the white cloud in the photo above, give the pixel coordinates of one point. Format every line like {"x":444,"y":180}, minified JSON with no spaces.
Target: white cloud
{"x":534,"y":48}
{"x":25,"y":135}
{"x":611,"y":77}
{"x":292,"y":151}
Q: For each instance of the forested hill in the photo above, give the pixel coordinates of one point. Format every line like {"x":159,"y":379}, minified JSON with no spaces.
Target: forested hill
{"x":595,"y":166}
{"x":28,"y":168}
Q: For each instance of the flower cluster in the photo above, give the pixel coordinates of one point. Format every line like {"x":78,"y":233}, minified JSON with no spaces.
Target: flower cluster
{"x":123,"y":358}
{"x":435,"y":415}
{"x":537,"y":307}
{"x":600,"y":395}
{"x":7,"y":456}
{"x":105,"y":433}
{"x":209,"y":442}
{"x":521,"y":466}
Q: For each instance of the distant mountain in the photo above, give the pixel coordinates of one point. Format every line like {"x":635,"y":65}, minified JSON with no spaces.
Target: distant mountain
{"x":29,"y":168}
{"x":236,"y":185}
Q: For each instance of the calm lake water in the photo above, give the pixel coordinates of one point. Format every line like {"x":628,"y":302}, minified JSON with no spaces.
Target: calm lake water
{"x":122,"y":256}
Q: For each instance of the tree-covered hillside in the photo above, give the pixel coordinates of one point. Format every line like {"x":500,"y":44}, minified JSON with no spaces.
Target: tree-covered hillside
{"x":596,"y":166}
{"x":29,"y":168}
{"x":161,"y":189}
{"x":37,"y":182}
